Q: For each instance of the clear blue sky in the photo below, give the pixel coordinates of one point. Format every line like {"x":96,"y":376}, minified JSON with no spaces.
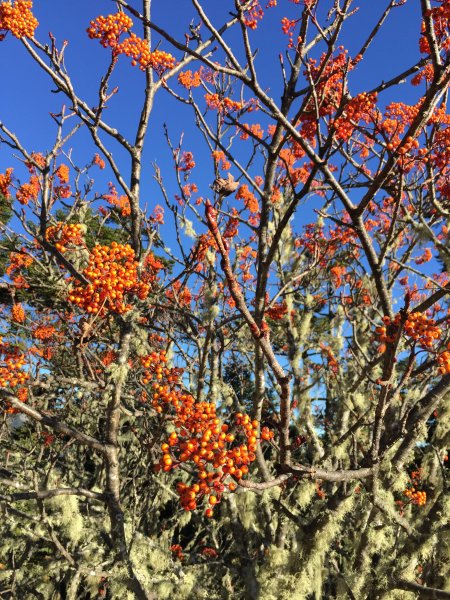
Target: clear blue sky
{"x":26,"y":99}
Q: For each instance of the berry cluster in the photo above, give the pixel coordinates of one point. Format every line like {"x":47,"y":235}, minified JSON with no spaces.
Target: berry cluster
{"x":11,"y":363}
{"x":189,"y":79}
{"x":247,"y":129}
{"x":200,"y":438}
{"x":206,"y":443}
{"x":177,"y":551}
{"x":250,"y":200}
{"x":29,"y":191}
{"x":287,"y":27}
{"x":417,"y":326}
{"x":5,"y":183}
{"x":18,"y":19}
{"x":18,"y":260}
{"x":62,"y":235}
{"x":140,"y":53}
{"x":422,"y":329}
{"x":108,"y":357}
{"x":440,"y":16}
{"x":418,"y":497}
{"x":18,"y":313}
{"x":98,"y":160}
{"x":112,"y":272}
{"x":187,"y":162}
{"x":62,"y":173}
{"x":43,"y":332}
{"x":277,"y":311}
{"x":209,"y":552}
{"x":387,"y":333}
{"x":108,"y":29}
{"x":220,"y":159}
{"x":359,"y":108}
{"x":444,"y":362}
{"x":328,"y":76}
{"x":253,"y":14}
{"x":37,"y":163}
{"x":222,"y":104}
{"x":416,"y":477}
{"x":121,"y":202}
{"x":151,"y":267}
{"x":155,"y":371}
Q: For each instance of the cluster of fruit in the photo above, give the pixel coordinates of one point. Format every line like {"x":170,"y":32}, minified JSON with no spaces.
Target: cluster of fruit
{"x":18,"y":19}
{"x":12,"y":362}
{"x":63,"y":235}
{"x":418,"y":497}
{"x":219,"y":453}
{"x":113,"y":275}
{"x":417,"y":326}
{"x":109,"y":29}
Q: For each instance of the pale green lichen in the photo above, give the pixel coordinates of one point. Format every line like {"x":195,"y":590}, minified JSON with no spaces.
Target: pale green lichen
{"x":305,"y":492}
{"x":65,"y":513}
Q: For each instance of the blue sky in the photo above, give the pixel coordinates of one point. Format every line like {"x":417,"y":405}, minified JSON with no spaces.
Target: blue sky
{"x":27,"y":99}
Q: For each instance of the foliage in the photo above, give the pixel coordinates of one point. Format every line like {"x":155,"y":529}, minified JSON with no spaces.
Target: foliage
{"x":242,"y":390}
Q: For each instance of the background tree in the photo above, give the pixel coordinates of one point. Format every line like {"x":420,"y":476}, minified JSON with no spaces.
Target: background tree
{"x":238,"y":388}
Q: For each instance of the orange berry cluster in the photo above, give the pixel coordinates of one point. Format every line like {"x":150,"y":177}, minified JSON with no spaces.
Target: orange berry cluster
{"x":18,"y":313}
{"x":250,"y":200}
{"x":29,"y":191}
{"x":121,"y":202}
{"x":11,"y":364}
{"x":5,"y":183}
{"x":417,"y":326}
{"x":108,"y":357}
{"x":112,"y":272}
{"x":277,"y":311}
{"x":18,"y":19}
{"x":444,"y":362}
{"x":62,"y":173}
{"x":36,"y":163}
{"x":177,"y":551}
{"x":416,"y":477}
{"x":287,"y":26}
{"x":328,"y":79}
{"x":387,"y":333}
{"x":163,"y":381}
{"x":18,"y":260}
{"x":245,"y":129}
{"x":205,"y":442}
{"x":219,"y":157}
{"x":422,"y":329}
{"x":187,"y":162}
{"x":441,"y":17}
{"x":62,"y":235}
{"x":151,"y":267}
{"x":253,"y":14}
{"x":161,"y":61}
{"x":155,"y":372}
{"x":418,"y":497}
{"x":200,"y":438}
{"x":359,"y":108}
{"x":140,"y":53}
{"x":108,"y":29}
{"x":410,"y":144}
{"x":98,"y":160}
{"x":43,"y":332}
{"x":190,"y":80}
{"x":222,"y":104}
